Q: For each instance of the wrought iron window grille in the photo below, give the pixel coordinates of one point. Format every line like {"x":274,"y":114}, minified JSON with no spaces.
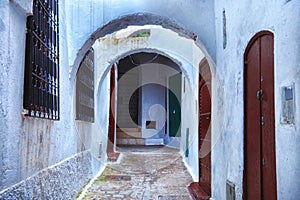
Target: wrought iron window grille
{"x":41,"y":82}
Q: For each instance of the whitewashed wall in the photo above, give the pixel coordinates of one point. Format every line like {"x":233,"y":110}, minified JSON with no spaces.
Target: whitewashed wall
{"x":102,"y":103}
{"x":34,"y":148}
{"x":12,"y":35}
{"x":205,"y":18}
{"x":243,"y":20}
{"x":153,"y":99}
{"x":85,"y":17}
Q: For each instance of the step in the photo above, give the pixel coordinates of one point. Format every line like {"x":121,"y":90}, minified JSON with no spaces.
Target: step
{"x":129,"y":133}
{"x":130,"y":141}
{"x":129,"y":129}
{"x":197,"y":193}
{"x":154,"y":141}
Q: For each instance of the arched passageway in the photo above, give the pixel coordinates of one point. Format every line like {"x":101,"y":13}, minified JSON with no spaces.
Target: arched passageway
{"x":160,"y":43}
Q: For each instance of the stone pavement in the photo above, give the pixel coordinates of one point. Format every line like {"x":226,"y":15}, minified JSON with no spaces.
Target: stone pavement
{"x":143,"y":173}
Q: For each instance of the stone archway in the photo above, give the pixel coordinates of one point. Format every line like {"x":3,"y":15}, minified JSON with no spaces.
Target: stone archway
{"x":188,"y":60}
{"x":138,"y":19}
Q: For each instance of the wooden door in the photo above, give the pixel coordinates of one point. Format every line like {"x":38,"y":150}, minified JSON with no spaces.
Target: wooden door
{"x":204,"y":127}
{"x":175,"y":105}
{"x":259,"y":139}
{"x":112,"y":126}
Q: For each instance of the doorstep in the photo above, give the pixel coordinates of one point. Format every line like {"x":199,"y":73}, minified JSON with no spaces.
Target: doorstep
{"x":197,"y":192}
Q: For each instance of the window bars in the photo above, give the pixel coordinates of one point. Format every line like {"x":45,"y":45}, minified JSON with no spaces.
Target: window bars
{"x":85,"y":89}
{"x":41,"y":83}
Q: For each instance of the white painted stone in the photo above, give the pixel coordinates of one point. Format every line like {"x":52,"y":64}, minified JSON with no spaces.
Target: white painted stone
{"x":244,"y":20}
{"x":85,"y":17}
{"x":30,"y":145}
{"x":19,"y":135}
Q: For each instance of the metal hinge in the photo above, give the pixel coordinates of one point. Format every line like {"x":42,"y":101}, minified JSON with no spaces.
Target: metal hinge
{"x":263,"y":161}
{"x":261,"y":78}
{"x":262,"y":120}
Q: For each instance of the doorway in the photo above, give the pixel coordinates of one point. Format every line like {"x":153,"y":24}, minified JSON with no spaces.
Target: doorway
{"x":259,"y":132}
{"x":202,"y":188}
{"x":112,"y":124}
{"x":175,"y":105}
{"x":204,"y":131}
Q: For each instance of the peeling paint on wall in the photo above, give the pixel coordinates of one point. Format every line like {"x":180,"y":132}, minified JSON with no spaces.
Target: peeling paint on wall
{"x":243,"y":21}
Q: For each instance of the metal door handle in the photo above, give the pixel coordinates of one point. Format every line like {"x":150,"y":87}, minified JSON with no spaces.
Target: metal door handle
{"x":259,"y":94}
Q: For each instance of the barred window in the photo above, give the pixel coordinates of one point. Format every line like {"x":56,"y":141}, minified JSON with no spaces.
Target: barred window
{"x":41,"y":82}
{"x":85,"y":89}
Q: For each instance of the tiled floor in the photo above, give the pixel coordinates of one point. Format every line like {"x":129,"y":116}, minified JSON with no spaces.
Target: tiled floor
{"x":143,"y":173}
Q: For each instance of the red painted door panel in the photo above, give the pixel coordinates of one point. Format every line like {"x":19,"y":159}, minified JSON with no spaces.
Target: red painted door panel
{"x":252,"y":126}
{"x":260,"y":165}
{"x":204,"y":127}
{"x":268,"y":124}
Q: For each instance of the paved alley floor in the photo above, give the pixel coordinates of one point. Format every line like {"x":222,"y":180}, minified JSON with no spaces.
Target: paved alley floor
{"x":143,"y":173}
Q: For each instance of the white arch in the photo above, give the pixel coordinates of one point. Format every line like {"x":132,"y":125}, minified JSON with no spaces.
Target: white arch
{"x":137,"y":19}
{"x":181,"y":50}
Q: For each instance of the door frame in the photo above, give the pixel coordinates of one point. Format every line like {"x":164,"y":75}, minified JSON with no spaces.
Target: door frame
{"x":254,"y":39}
{"x":201,"y":190}
{"x":112,"y":113}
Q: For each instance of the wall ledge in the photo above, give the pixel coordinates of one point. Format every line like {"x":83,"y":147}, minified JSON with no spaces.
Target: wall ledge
{"x":55,"y":182}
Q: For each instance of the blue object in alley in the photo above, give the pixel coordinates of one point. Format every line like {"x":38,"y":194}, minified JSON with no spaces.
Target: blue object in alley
{"x":187,"y":142}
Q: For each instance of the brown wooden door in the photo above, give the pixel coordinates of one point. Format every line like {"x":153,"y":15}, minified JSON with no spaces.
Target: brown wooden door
{"x":204,"y":127}
{"x":111,"y":127}
{"x":260,"y":163}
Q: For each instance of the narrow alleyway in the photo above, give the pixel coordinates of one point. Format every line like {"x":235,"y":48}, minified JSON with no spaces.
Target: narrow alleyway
{"x":142,"y":173}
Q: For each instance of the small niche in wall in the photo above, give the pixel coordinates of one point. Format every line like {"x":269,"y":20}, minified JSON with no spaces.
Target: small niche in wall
{"x":150,"y":124}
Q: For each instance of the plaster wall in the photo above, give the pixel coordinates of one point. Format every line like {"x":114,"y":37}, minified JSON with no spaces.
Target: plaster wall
{"x":154,"y":98}
{"x":189,"y":124}
{"x":85,"y":17}
{"x":102,"y":103}
{"x":153,"y":109}
{"x":9,"y":76}
{"x":30,"y":145}
{"x":243,"y":20}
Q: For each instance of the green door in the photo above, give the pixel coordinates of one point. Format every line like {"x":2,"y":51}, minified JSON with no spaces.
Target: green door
{"x":175,"y":105}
